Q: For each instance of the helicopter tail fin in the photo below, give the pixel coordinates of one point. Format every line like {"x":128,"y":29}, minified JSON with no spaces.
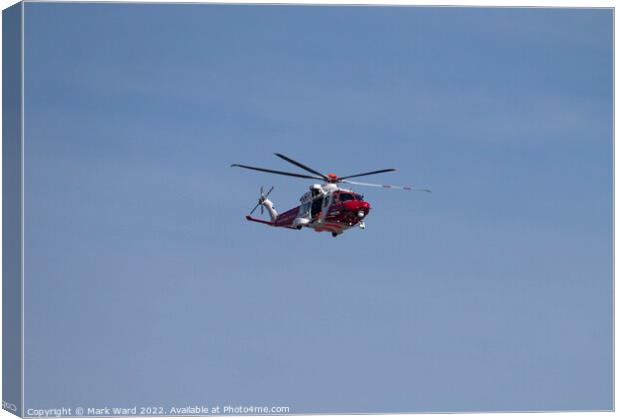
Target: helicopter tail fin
{"x":263,"y":202}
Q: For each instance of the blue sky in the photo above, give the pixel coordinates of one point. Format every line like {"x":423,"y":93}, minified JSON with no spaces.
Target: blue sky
{"x":145,"y":285}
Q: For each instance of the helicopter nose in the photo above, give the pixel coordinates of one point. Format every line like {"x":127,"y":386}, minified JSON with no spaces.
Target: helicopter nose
{"x":362,"y":209}
{"x":357,"y":206}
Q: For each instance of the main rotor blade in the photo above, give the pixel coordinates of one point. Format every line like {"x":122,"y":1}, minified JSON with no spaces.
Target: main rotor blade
{"x":367,"y":173}
{"x":303,"y":166}
{"x":277,"y":172}
{"x":406,"y":188}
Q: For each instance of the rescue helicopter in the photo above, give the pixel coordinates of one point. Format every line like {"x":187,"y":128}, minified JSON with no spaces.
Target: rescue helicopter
{"x":325,"y":207}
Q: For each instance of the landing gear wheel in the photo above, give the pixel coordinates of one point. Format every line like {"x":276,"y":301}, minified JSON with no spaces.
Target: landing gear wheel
{"x":334,"y":234}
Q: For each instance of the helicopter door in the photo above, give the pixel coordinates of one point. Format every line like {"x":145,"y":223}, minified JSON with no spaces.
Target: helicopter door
{"x":316,"y":207}
{"x":326,"y":202}
{"x":305,"y":210}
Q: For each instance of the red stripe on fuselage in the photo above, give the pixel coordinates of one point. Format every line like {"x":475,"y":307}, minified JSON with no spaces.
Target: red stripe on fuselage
{"x":286,"y":219}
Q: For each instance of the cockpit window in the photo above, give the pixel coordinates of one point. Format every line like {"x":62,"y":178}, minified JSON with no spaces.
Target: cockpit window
{"x":346,"y":197}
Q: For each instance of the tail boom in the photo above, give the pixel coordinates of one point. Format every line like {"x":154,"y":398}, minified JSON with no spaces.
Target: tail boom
{"x":269,"y":223}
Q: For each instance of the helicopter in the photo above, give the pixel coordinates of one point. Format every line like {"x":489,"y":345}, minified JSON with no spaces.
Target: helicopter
{"x":325,"y":207}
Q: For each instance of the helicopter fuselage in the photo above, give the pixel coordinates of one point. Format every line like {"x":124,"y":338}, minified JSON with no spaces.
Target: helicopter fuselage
{"x":323,"y":208}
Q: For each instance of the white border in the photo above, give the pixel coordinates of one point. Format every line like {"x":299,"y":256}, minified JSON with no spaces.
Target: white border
{"x":476,"y":3}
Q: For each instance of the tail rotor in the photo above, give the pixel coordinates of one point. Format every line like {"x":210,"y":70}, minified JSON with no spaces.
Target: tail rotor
{"x":263,"y":197}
